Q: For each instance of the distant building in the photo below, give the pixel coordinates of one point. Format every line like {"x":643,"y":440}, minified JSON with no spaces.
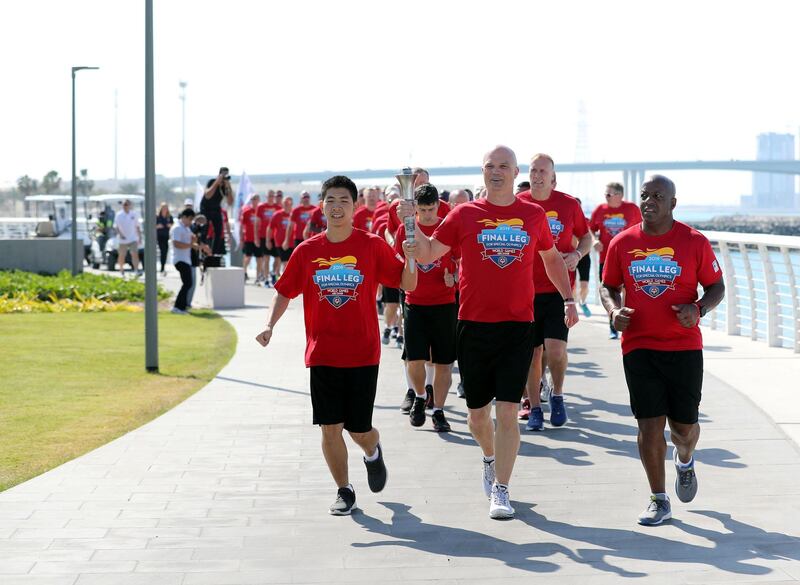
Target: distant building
{"x":773,"y":190}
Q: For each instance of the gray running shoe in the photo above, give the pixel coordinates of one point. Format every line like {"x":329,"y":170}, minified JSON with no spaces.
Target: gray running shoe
{"x":408,"y":401}
{"x":344,"y":504}
{"x":488,"y":477}
{"x":656,"y":512}
{"x":500,"y":506}
{"x":685,"y":481}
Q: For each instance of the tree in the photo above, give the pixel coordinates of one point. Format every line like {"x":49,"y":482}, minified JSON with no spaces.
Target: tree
{"x":85,"y":185}
{"x":130,"y":188}
{"x":27,"y":186}
{"x":51,"y":183}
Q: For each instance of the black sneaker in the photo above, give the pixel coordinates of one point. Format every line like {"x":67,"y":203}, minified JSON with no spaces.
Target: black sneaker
{"x":440,"y":424}
{"x":399,"y":342}
{"x":385,"y":338}
{"x":395,"y":332}
{"x":408,"y":401}
{"x":376,"y":472}
{"x":345,"y":502}
{"x":275,"y":279}
{"x":429,"y":400}
{"x":417,"y":415}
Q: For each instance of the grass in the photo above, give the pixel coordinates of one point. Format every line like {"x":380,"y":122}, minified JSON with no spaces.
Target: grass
{"x":74,"y":381}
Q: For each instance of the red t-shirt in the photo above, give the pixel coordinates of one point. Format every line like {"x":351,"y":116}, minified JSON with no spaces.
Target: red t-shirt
{"x":319,"y":223}
{"x":497,"y":246}
{"x":278,"y":225}
{"x":610,"y":221}
{"x":300,"y":216}
{"x":338,"y":282}
{"x":431,"y":289}
{"x":380,"y":224}
{"x":364,"y":217}
{"x":565,"y":217}
{"x":265,"y":212}
{"x":657,"y":272}
{"x":248,"y":218}
{"x":394,"y":220}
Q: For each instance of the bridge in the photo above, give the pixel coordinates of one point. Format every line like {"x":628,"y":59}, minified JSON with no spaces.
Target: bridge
{"x":633,"y":172}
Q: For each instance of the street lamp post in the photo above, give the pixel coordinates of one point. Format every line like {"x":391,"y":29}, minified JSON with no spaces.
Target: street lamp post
{"x":151,"y":290}
{"x":183,"y":136}
{"x":74,"y":239}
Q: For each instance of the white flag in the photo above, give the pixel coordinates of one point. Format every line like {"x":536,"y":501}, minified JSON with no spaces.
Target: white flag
{"x":242,"y":195}
{"x":199,"y":191}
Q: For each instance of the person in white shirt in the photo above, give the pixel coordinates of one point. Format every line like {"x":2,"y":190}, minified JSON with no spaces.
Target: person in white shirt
{"x":129,"y":235}
{"x":183,"y":240}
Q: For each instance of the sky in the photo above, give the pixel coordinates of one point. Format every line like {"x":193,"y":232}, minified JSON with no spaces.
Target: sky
{"x":316,"y":85}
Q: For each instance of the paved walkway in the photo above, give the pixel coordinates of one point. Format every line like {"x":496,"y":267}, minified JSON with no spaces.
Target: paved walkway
{"x":230,"y":487}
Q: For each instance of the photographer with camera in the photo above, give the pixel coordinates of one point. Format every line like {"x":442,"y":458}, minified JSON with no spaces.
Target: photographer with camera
{"x":211,"y":206}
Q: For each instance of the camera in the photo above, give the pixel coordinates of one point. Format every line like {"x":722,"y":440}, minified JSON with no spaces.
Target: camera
{"x":225,"y":173}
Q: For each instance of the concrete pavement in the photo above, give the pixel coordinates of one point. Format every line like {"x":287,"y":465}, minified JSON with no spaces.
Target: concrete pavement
{"x":230,"y":487}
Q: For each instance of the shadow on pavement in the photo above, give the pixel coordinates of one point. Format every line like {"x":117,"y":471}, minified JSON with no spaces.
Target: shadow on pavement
{"x":256,"y":384}
{"x":409,"y":531}
{"x":728,"y":550}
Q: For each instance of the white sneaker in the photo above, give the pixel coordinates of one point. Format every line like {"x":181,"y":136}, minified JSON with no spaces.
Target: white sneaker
{"x":488,"y":478}
{"x":500,"y":506}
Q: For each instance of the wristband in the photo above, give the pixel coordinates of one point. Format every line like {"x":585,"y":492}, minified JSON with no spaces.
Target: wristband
{"x":700,"y":309}
{"x":570,"y":303}
{"x":569,"y":300}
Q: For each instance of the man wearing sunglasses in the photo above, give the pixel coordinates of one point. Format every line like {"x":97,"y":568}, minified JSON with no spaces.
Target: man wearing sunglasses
{"x":609,"y":219}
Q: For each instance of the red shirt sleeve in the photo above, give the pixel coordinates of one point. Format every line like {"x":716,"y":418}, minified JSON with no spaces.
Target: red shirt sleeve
{"x":612,"y":271}
{"x":544,"y":237}
{"x":708,"y":269}
{"x":389,"y":264}
{"x":448,"y":231}
{"x":398,"y":240}
{"x":579,"y":225}
{"x":291,"y":281}
{"x":394,"y":220}
{"x":594,"y":224}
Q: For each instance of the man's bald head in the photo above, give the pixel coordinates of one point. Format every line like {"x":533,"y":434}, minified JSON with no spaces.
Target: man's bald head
{"x":500,"y":150}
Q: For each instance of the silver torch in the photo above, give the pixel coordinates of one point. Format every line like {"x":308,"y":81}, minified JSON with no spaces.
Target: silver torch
{"x":406,"y":180}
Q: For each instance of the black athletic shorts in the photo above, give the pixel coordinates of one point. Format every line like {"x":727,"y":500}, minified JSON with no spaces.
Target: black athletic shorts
{"x":430,"y":332}
{"x":285,"y":254}
{"x":493,"y":359}
{"x":390,"y":295}
{"x":250,"y":249}
{"x":664,"y":383}
{"x":344,"y":395}
{"x":584,"y":268}
{"x":548,"y":315}
{"x":263,"y":247}
{"x":275,"y":251}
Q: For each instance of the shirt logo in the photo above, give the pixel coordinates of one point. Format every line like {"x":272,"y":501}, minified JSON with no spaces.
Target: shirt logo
{"x":556,"y":227}
{"x":428,"y":267}
{"x":615,"y":223}
{"x":715,"y":266}
{"x":503,"y":240}
{"x":338,"y":280}
{"x":304,"y":217}
{"x":656,"y":272}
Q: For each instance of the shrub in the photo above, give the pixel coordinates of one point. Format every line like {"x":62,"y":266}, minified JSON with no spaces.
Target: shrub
{"x":48,"y":289}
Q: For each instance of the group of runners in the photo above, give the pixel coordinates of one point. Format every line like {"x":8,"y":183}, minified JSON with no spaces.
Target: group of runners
{"x":488,"y":282}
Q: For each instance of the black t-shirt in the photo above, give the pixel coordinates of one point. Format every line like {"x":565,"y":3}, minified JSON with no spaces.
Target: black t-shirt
{"x":212,"y":205}
{"x":163,"y":232}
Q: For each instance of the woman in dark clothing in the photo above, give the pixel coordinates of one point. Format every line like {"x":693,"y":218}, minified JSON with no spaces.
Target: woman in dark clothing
{"x":217,"y":191}
{"x":164,"y":224}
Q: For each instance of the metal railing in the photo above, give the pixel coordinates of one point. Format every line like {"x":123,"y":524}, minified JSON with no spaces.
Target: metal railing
{"x":762,"y":278}
{"x":762,"y":287}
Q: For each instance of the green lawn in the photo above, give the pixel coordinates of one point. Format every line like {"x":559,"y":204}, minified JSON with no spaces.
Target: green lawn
{"x":71,"y":382}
